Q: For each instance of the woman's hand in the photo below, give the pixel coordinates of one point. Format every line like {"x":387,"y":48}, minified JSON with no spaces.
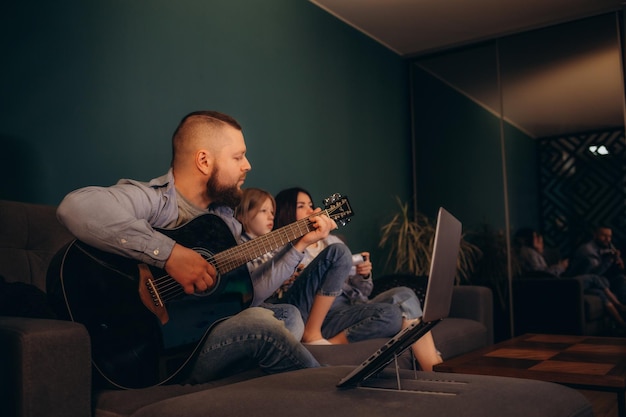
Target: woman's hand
{"x":365,"y":267}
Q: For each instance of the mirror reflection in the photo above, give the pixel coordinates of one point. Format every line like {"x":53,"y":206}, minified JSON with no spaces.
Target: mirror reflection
{"x":531,"y":129}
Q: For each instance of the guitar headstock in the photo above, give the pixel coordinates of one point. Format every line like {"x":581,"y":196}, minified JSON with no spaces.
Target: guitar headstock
{"x":338,"y":208}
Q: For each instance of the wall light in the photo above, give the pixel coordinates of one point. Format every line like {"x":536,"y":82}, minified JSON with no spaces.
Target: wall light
{"x":598,"y":150}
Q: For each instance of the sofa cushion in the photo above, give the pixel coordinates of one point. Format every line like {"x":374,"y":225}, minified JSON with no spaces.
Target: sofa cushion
{"x":20,"y":299}
{"x":44,"y":368}
{"x":313,"y":392}
{"x":455,"y":336}
{"x":30,"y":237}
{"x":113,"y":402}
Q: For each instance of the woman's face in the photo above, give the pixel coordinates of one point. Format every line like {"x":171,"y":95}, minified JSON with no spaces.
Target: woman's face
{"x":304,"y":206}
{"x":263,"y":220}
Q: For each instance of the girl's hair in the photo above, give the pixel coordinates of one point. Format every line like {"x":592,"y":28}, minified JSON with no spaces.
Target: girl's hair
{"x":286,"y":203}
{"x":251,"y":201}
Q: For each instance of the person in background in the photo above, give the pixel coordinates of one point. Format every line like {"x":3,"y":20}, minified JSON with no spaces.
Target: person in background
{"x":353,"y":316}
{"x":530,"y":252}
{"x":208,"y":168}
{"x":323,"y":280}
{"x":598,"y":256}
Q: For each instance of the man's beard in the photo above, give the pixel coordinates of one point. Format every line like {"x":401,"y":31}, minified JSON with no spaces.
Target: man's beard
{"x":228,"y":195}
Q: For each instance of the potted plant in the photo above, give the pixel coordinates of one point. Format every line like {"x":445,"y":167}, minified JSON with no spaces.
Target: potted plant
{"x":409,"y":238}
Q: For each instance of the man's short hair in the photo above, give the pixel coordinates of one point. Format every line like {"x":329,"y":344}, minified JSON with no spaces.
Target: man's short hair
{"x":209,"y":118}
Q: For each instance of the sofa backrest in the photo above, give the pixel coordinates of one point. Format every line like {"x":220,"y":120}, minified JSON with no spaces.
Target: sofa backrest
{"x":30,"y":235}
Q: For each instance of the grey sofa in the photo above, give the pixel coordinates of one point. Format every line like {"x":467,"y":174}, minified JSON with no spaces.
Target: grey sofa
{"x":45,"y":367}
{"x":558,"y":305}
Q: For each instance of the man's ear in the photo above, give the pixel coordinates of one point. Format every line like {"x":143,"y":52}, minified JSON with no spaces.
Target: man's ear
{"x":204,"y":161}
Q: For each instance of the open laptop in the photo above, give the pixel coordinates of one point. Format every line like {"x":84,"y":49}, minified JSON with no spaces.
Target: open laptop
{"x":436,"y":304}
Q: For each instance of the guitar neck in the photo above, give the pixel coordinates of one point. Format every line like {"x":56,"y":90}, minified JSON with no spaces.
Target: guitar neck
{"x":243,"y":253}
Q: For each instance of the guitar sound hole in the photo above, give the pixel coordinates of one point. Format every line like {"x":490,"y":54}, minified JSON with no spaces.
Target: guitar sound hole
{"x":208,"y":256}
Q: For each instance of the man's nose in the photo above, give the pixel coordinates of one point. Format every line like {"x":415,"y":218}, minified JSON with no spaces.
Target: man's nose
{"x":247,"y":166}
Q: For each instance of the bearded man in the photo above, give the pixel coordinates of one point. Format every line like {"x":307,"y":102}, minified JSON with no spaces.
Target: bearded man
{"x":208,"y":168}
{"x":599,"y":256}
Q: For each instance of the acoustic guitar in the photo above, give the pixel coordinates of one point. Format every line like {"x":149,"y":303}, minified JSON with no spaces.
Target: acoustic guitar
{"x":144,"y":329}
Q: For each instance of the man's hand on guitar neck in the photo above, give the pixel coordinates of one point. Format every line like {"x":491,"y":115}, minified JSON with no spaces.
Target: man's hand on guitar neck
{"x":190,"y":269}
{"x":322,"y":226}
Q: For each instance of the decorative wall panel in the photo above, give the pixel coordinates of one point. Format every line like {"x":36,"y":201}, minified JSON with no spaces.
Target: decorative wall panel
{"x":583,"y":184}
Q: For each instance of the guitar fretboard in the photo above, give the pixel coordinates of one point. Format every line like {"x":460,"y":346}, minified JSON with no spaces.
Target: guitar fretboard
{"x":241,"y":254}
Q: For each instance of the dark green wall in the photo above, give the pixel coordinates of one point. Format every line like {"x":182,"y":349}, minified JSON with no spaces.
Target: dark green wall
{"x":90,"y":91}
{"x":522,"y":158}
{"x":459,"y":159}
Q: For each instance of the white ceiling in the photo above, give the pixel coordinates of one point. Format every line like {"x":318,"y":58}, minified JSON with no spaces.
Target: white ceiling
{"x":539,"y":102}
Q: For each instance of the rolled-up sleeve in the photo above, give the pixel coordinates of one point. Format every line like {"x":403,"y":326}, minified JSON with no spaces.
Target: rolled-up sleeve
{"x":121,"y":219}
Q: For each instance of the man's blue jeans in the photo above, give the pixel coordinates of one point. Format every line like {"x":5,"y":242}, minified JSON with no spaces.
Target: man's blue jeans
{"x":251,"y":338}
{"x":290,"y":315}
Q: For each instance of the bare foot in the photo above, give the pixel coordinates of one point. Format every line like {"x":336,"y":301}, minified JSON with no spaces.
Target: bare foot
{"x":318,"y":342}
{"x":311,"y":337}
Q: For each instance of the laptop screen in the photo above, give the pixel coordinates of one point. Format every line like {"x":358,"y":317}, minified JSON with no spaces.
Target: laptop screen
{"x":436,"y":306}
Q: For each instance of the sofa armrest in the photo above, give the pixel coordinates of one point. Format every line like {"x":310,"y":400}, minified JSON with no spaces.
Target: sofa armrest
{"x":548,"y":305}
{"x":473,"y":302}
{"x":45,"y":368}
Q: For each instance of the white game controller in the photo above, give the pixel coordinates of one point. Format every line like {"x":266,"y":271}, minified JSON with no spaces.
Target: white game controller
{"x":356,"y":259}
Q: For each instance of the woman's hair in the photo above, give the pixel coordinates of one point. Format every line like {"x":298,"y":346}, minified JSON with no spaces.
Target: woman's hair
{"x":251,"y":201}
{"x":286,"y":203}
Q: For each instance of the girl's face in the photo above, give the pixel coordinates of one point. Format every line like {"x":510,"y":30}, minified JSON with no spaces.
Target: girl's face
{"x":304,"y":206}
{"x":263,"y":220}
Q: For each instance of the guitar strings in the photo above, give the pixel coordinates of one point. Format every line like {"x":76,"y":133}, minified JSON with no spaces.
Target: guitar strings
{"x":252,"y":249}
{"x":238,"y":255}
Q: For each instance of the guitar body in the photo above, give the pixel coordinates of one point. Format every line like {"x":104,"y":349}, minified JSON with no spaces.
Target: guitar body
{"x":131,"y":347}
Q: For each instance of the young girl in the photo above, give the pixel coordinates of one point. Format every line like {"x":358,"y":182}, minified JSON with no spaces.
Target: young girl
{"x":322,"y":282}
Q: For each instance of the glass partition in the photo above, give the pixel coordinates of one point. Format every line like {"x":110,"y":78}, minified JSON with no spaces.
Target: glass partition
{"x":487,"y":121}
{"x":562,"y":93}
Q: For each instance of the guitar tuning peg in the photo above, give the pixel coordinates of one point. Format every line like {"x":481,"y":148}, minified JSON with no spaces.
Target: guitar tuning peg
{"x":332,"y":199}
{"x":343,"y":222}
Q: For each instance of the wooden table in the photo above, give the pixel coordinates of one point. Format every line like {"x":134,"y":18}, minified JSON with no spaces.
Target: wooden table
{"x":582,"y":362}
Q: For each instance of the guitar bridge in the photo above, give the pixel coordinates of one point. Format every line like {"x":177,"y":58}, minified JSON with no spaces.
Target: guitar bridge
{"x":149,"y":294}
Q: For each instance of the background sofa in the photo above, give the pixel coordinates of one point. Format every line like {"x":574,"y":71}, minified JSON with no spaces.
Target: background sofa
{"x":45,"y":367}
{"x":557,"y":305}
